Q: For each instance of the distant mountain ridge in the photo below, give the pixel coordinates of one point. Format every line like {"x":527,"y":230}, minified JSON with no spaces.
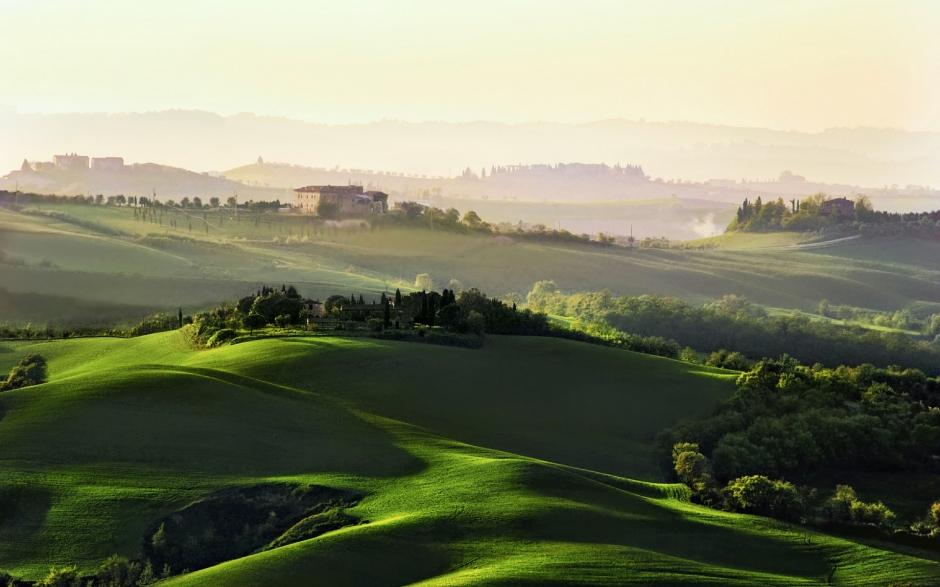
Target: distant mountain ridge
{"x":671,"y":150}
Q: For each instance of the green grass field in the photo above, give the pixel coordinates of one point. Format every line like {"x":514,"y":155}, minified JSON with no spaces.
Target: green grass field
{"x":528,"y":462}
{"x":194,"y":270}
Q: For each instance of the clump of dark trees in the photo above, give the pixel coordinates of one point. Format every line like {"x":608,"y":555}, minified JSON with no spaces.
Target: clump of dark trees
{"x":269,"y":305}
{"x":30,"y":371}
{"x":807,"y":215}
{"x":791,"y":421}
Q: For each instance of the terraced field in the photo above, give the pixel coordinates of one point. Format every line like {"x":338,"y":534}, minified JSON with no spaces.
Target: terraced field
{"x":527,"y":462}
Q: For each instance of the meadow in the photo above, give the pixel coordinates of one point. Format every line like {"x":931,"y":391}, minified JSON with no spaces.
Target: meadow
{"x":155,"y":264}
{"x":479,"y":467}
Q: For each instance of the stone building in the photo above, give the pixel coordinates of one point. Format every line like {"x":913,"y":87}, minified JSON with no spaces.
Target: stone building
{"x":350,"y":199}
{"x":840,"y":206}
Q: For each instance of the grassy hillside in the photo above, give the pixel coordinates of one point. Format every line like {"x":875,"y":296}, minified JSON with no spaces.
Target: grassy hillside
{"x":179,"y":267}
{"x":487,"y":467}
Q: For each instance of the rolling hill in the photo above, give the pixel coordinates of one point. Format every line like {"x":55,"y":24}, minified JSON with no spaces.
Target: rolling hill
{"x":102,"y":255}
{"x":476,"y":467}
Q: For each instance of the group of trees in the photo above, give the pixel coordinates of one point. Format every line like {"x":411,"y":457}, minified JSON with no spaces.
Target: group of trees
{"x":734,"y":323}
{"x":788,"y":421}
{"x":414,"y":214}
{"x":269,"y":305}
{"x":116,"y":571}
{"x":29,"y":371}
{"x":921,"y":316}
{"x":808,"y":215}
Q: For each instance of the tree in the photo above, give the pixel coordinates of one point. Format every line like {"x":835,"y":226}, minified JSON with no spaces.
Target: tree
{"x":121,"y":200}
{"x":252,"y":321}
{"x":452,"y":318}
{"x":759,"y":495}
{"x":424,"y":282}
{"x":181,"y":317}
{"x":214,"y":202}
{"x":197,"y":202}
{"x":30,"y":371}
{"x":397,"y":298}
{"x":61,"y":577}
{"x":934,"y":514}
{"x":476,"y":323}
{"x":335,"y":301}
{"x":328,"y":210}
{"x":691,"y":465}
{"x":472,"y":219}
{"x":118,"y":571}
{"x":386,"y":314}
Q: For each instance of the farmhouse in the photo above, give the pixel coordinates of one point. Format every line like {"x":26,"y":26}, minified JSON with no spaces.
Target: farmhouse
{"x":350,"y":199}
{"x":107,"y":163}
{"x":314,"y":308}
{"x":71,"y":161}
{"x":840,"y":206}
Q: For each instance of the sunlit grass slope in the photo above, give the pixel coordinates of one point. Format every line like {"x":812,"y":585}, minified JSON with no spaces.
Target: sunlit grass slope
{"x":502,"y":466}
{"x":883,"y":274}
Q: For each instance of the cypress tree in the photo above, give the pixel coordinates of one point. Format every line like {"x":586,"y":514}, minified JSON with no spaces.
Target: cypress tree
{"x":397,"y":298}
{"x":386,"y":314}
{"x":361,"y":301}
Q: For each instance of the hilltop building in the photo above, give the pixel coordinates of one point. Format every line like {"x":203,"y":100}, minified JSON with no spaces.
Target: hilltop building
{"x":107,"y":163}
{"x":71,"y":162}
{"x":840,"y":206}
{"x":350,"y":199}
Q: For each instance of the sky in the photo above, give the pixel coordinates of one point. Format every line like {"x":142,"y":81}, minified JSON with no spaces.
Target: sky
{"x":795,"y":65}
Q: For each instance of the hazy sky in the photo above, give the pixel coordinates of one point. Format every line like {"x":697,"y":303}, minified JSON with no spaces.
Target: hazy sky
{"x":799,"y":64}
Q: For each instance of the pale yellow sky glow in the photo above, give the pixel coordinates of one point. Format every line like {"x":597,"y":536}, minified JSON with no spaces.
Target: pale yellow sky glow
{"x":795,"y":65}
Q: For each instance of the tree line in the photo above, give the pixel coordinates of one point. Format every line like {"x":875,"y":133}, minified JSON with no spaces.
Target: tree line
{"x":734,"y":323}
{"x":808,"y":215}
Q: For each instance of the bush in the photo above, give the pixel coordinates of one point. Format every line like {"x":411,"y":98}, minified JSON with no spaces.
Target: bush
{"x":156,"y":323}
{"x":221,"y":337}
{"x":29,"y":371}
{"x":61,"y":577}
{"x":376,"y":324}
{"x":282,"y":321}
{"x":759,"y":495}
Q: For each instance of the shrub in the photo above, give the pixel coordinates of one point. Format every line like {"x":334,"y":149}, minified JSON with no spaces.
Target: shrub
{"x":759,"y":495}
{"x":282,"y":321}
{"x":221,"y":337}
{"x":30,"y":371}
{"x":376,"y":324}
{"x":61,"y":577}
{"x":156,"y":323}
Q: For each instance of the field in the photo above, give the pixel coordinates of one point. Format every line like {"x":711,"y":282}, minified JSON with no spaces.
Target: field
{"x":159,"y":266}
{"x":479,"y":467}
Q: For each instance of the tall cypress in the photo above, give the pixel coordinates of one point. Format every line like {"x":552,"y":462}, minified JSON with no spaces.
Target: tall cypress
{"x":397,"y":298}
